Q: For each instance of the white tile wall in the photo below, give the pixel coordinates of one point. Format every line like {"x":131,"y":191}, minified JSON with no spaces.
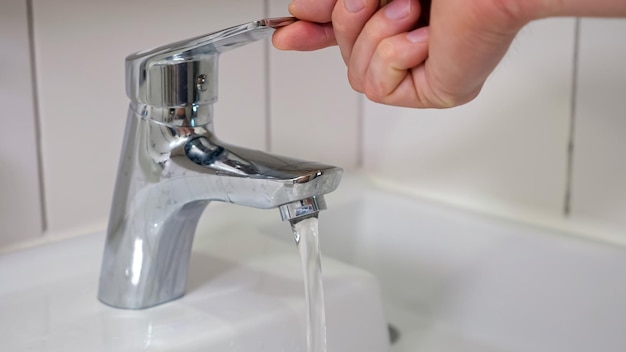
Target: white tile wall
{"x":314,"y":112}
{"x":20,"y":206}
{"x":80,"y":49}
{"x":599,"y":182}
{"x":503,"y":153}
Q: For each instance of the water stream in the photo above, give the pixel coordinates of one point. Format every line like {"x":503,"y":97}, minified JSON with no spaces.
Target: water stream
{"x":307,"y":238}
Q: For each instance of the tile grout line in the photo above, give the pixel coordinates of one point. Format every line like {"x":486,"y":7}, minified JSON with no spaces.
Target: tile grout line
{"x":360,"y":130}
{"x":37,"y":112}
{"x":569,"y":176}
{"x":267,"y":84}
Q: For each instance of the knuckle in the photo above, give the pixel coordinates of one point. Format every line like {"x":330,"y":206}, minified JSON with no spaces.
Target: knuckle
{"x":356,"y":82}
{"x":340,"y":26}
{"x":372,"y":96}
{"x":339,"y":22}
{"x":374,"y":93}
{"x":386,"y":50}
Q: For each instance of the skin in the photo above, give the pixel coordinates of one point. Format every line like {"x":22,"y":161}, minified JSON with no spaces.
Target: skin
{"x":423,"y":54}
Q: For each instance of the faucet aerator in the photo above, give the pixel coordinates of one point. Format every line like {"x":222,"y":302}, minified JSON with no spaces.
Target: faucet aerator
{"x":301,"y":209}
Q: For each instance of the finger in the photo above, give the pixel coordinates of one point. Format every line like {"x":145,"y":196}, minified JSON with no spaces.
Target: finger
{"x":396,"y":17}
{"x":304,"y":36}
{"x":319,"y":11}
{"x":349,"y":18}
{"x":389,"y":78}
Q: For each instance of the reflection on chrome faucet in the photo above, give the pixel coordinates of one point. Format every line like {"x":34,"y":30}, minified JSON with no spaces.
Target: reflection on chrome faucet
{"x":172,"y":165}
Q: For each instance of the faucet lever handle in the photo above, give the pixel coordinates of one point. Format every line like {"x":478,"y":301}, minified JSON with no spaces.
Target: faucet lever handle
{"x":184,"y":73}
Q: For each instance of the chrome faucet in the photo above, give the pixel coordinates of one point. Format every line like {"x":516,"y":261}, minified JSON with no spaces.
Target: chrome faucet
{"x":172,"y":165}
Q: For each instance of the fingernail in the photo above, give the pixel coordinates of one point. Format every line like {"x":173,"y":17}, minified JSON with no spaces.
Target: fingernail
{"x":419,"y":35}
{"x":354,"y":5}
{"x":398,"y":9}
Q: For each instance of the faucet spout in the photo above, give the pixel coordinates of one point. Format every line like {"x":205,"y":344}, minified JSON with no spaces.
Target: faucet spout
{"x":167,"y":176}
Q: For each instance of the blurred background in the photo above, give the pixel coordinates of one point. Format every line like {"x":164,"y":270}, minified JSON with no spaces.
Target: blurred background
{"x":543,"y":144}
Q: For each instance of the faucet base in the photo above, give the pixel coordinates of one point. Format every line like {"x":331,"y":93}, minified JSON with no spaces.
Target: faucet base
{"x":149,"y":268}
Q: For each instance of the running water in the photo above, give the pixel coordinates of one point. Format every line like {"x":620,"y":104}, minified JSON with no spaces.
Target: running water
{"x":307,"y":238}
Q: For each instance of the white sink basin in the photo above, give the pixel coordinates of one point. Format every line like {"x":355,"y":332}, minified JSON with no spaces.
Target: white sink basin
{"x":450,"y":282}
{"x":245,"y":294}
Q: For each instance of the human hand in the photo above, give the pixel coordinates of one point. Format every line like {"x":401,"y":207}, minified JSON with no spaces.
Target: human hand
{"x":391,"y":61}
